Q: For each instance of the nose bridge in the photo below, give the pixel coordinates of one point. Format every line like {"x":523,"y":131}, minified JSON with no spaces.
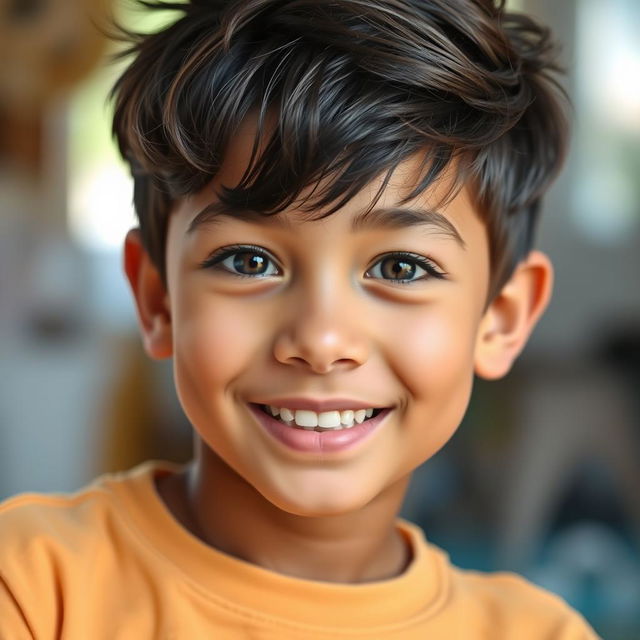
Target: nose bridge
{"x":323,"y":291}
{"x":321,"y":330}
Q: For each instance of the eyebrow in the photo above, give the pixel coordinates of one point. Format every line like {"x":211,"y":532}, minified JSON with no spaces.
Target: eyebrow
{"x":385,"y":217}
{"x":402,"y":217}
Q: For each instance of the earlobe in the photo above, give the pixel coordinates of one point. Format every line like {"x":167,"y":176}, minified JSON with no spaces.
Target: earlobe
{"x":512,"y":315}
{"x":150,"y":297}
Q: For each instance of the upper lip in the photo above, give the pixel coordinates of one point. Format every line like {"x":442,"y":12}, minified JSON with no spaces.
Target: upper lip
{"x":317,"y":405}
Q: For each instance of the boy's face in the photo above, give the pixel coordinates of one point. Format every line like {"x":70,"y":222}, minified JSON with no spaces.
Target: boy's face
{"x":386,"y":311}
{"x":309,"y":311}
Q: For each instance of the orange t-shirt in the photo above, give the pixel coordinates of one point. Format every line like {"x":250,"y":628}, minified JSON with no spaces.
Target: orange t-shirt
{"x":110,"y":562}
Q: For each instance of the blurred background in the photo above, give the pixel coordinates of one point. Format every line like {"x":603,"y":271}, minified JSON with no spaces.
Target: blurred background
{"x":544,"y":475}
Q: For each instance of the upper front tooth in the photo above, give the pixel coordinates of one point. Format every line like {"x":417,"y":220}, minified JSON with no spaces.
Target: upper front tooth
{"x":360,"y":415}
{"x":306,"y":418}
{"x":329,"y":419}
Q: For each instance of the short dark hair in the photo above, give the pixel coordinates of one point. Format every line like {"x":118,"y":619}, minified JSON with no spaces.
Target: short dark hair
{"x":356,"y":88}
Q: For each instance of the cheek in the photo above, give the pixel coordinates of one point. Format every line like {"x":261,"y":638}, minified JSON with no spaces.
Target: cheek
{"x":434,"y":354}
{"x":213,"y":342}
{"x":435,"y":359}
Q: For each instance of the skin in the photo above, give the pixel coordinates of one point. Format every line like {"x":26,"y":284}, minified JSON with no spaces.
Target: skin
{"x":323,"y":323}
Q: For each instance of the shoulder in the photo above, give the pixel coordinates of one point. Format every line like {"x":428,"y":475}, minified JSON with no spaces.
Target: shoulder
{"x":35,"y":529}
{"x":513,"y":602}
{"x":45,"y":540}
{"x":37,"y":509}
{"x":34,"y":524}
{"x":31,"y":517}
{"x":56,"y":549}
{"x":41,"y":534}
{"x":498,"y":605}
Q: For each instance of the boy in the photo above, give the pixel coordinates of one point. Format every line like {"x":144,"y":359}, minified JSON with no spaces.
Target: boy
{"x":336,"y":204}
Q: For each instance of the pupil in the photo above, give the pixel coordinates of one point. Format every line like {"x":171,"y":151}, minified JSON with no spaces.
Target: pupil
{"x":398,"y":269}
{"x":249,"y":263}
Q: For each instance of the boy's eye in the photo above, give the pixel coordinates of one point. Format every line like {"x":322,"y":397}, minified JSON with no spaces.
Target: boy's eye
{"x":404,"y":267}
{"x":245,"y":261}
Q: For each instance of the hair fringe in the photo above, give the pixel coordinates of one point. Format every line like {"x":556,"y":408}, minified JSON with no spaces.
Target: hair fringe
{"x":344,"y":91}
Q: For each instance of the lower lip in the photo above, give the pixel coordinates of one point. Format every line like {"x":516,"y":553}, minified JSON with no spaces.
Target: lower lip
{"x":308,"y":441}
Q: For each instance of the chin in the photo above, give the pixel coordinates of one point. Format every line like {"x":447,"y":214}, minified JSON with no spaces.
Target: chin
{"x":318,"y":502}
{"x":318,"y":510}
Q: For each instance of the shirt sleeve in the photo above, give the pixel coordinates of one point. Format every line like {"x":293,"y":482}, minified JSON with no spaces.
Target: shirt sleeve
{"x":577,"y":628}
{"x":13,"y":623}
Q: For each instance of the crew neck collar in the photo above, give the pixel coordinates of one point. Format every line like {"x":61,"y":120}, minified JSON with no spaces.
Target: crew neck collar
{"x":418,"y":592}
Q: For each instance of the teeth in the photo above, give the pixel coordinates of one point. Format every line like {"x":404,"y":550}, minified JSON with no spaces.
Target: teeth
{"x":306,"y":418}
{"x":325,"y":420}
{"x":286,"y":415}
{"x":330,"y":419}
{"x":346,"y":418}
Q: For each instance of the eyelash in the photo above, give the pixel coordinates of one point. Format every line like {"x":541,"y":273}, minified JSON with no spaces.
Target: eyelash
{"x":425,"y":263}
{"x":216,"y":259}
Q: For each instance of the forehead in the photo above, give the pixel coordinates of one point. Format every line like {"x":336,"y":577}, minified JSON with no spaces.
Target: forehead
{"x":445,"y":206}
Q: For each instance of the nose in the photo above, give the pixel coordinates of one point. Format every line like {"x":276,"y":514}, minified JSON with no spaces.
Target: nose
{"x":322,"y":332}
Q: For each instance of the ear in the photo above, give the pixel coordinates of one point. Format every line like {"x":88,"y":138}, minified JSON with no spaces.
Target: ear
{"x":512,"y":315}
{"x":150,"y":295}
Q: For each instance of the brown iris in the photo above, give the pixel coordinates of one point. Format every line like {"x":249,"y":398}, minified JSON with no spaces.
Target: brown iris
{"x":250,"y":263}
{"x":397,"y":269}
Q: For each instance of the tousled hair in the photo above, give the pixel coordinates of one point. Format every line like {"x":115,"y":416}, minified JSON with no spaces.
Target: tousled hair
{"x":354,"y":87}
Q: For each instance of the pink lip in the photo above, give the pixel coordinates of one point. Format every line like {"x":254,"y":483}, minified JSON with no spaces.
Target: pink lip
{"x":318,"y":441}
{"x":330,"y":404}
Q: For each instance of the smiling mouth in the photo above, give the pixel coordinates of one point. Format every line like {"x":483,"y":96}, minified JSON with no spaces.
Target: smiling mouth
{"x":324,"y":421}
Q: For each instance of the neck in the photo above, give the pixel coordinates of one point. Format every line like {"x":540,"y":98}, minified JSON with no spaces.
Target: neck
{"x":218,"y":506}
